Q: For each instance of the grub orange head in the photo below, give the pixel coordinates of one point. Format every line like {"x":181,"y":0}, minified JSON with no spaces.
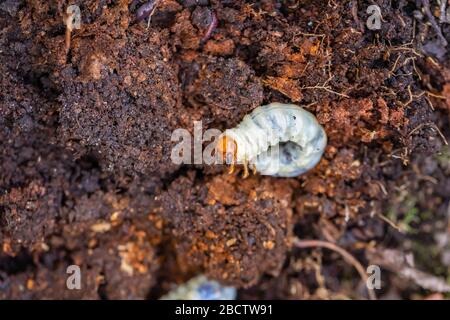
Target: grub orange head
{"x":227,"y":149}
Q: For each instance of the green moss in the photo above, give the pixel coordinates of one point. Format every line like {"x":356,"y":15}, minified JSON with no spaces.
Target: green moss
{"x":443,"y":157}
{"x":408,"y":215}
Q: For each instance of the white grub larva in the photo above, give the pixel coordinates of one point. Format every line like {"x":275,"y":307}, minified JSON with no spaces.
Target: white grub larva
{"x":281,"y":140}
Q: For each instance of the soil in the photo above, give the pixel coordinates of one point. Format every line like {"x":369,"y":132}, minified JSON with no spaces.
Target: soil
{"x":86,"y":176}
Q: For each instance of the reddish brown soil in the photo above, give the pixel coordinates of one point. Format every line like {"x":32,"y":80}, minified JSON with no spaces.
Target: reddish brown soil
{"x":85,"y":170}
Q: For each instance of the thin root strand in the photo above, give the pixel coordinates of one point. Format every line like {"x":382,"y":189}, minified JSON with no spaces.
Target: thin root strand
{"x":346,"y":255}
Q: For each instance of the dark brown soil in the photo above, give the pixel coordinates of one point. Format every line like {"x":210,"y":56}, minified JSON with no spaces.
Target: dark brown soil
{"x":85,"y":141}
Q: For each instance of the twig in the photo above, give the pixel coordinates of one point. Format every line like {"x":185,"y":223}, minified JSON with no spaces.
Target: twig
{"x":436,"y":95}
{"x":429,"y":103}
{"x":69,"y":28}
{"x":405,"y":48}
{"x":212,"y":26}
{"x":382,"y":187}
{"x":326,"y":88}
{"x":440,"y":133}
{"x":347,"y":257}
{"x":395,"y":65}
{"x":411,"y":97}
{"x":433,"y":126}
{"x":389,"y":222}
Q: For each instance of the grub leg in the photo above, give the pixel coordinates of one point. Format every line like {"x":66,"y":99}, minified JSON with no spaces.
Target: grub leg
{"x":246,"y":173}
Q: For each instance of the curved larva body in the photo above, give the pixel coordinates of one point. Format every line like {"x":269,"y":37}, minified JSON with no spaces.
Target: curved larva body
{"x":281,"y":140}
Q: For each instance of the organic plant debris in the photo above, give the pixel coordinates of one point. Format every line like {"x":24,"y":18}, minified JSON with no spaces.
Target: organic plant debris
{"x":86,"y":176}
